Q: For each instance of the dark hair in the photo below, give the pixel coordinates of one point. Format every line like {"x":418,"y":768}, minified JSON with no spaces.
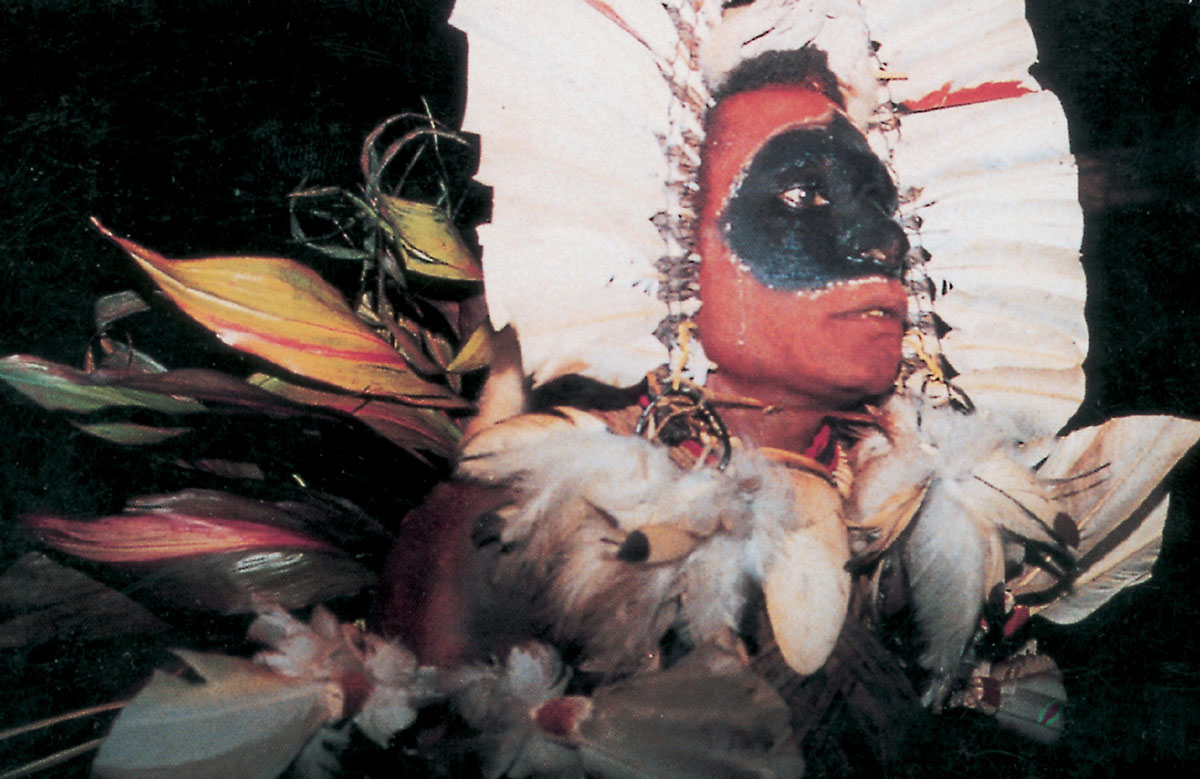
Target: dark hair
{"x":808,"y":67}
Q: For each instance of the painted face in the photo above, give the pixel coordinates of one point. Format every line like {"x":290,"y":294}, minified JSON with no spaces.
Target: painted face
{"x":814,"y":207}
{"x":801,"y":258}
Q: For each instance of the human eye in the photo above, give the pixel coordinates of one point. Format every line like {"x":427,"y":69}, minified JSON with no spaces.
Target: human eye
{"x":801,"y":196}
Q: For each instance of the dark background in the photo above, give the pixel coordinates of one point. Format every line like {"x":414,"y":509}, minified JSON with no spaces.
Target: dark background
{"x":186,"y":124}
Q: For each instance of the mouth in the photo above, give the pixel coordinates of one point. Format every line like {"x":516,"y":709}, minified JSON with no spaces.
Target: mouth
{"x":888,"y":313}
{"x":885,"y":303}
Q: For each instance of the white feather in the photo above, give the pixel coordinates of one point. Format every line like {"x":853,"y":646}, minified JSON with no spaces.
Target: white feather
{"x":1109,"y":481}
{"x":1128,"y":564}
{"x":578,"y":493}
{"x":243,"y":721}
{"x":980,"y":489}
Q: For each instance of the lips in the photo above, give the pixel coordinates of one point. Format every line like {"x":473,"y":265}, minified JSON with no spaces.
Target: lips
{"x":875,"y":312}
{"x":876,"y":298}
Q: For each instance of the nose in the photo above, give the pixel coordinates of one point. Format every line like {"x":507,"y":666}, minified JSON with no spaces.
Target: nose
{"x":888,"y":252}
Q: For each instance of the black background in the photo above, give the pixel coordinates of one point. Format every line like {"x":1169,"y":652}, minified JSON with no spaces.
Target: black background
{"x":185,"y":125}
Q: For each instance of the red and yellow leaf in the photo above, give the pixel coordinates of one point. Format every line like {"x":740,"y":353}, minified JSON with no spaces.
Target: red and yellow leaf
{"x":156,"y":536}
{"x":286,"y":314}
{"x":410,"y":427}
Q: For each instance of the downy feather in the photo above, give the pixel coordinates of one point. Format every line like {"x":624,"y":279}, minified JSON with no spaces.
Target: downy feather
{"x":980,"y":494}
{"x":579,"y":493}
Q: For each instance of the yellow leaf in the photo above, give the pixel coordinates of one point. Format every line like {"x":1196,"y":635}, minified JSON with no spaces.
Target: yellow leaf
{"x":431,"y":243}
{"x":285,"y":313}
{"x":475,"y":354}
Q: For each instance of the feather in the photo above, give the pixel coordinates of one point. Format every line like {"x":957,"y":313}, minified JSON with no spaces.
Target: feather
{"x":807,"y":589}
{"x":590,"y":93}
{"x":582,"y":496}
{"x":500,"y":701}
{"x":957,"y":44}
{"x":243,"y":721}
{"x":707,"y":716}
{"x":1134,"y":453}
{"x":1129,"y":563}
{"x":1108,"y":479}
{"x":946,"y":557}
{"x":980,"y":490}
{"x":999,"y":485}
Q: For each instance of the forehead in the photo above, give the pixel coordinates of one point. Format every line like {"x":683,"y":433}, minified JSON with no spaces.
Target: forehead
{"x":742,"y":123}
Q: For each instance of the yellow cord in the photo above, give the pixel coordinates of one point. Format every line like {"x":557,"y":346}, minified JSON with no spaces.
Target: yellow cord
{"x":684,"y":334}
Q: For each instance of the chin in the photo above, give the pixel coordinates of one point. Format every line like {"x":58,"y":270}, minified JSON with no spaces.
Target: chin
{"x":868,"y":370}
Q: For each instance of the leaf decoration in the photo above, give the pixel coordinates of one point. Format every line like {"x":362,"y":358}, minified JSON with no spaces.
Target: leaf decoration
{"x":319,"y":515}
{"x":431,"y":243}
{"x":61,"y":388}
{"x":229,"y":469}
{"x":475,"y":354}
{"x":286,"y":314}
{"x":409,"y":427}
{"x":129,"y":433}
{"x":239,"y":582}
{"x":45,"y":601}
{"x":158,"y":535}
{"x":112,"y":308}
{"x":118,"y":356}
{"x":214,"y":387}
{"x":243,"y":721}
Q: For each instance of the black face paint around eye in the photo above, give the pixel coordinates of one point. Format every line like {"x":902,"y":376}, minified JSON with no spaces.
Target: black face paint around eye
{"x":814,"y":207}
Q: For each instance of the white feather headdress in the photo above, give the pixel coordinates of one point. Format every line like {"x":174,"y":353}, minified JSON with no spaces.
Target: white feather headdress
{"x":591,"y":116}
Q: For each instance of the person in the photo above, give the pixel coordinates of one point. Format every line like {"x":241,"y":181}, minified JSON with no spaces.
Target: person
{"x":845,"y":459}
{"x":803,"y":312}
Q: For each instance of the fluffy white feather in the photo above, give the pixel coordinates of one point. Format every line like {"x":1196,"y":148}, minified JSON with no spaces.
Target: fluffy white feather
{"x":980,"y":494}
{"x":988,"y":489}
{"x":581,"y":493}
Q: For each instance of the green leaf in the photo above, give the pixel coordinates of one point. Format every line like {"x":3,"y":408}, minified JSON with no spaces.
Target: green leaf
{"x":62,"y":388}
{"x":130,"y":434}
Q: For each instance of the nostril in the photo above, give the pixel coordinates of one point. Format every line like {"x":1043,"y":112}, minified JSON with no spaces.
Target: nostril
{"x":878,"y":256}
{"x":890,"y":255}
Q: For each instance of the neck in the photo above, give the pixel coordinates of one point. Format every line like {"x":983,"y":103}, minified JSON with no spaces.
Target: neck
{"x":778,"y":419}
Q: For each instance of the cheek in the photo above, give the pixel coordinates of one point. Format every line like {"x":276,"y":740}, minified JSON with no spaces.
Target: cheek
{"x":748,"y":330}
{"x":795,"y":340}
